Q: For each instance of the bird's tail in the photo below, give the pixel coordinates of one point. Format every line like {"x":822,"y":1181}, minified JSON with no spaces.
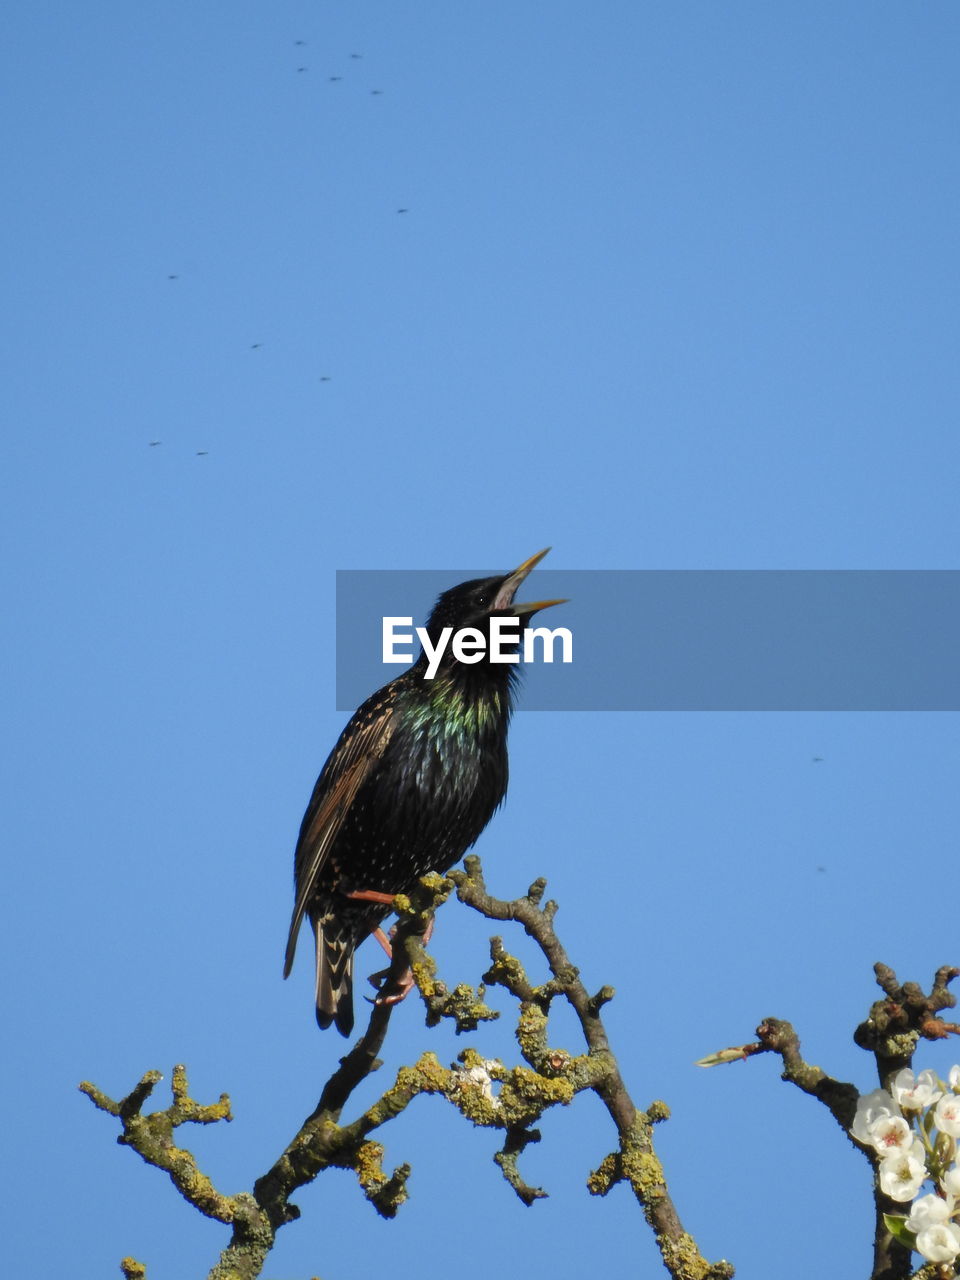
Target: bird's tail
{"x":334,"y":975}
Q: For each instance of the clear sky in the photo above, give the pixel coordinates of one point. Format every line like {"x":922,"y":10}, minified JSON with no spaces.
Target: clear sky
{"x":664,"y":285}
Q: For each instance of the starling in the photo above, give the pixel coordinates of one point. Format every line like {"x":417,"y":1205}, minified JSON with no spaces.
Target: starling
{"x":413,"y":780}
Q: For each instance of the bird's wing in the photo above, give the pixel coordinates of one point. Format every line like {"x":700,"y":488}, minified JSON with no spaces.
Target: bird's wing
{"x":359,"y":750}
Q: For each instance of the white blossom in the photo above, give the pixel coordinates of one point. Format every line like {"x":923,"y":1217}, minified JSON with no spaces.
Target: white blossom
{"x":902,"y":1173}
{"x":928,"y":1211}
{"x":951,"y":1182}
{"x":889,"y":1134}
{"x":872,"y":1107}
{"x":947,"y":1115}
{"x":953,"y":1079}
{"x":940,"y":1242}
{"x":916,"y":1092}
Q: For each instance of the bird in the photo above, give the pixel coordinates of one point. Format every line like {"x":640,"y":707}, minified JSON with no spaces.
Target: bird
{"x":203,"y":453}
{"x":154,"y":443}
{"x":413,"y":780}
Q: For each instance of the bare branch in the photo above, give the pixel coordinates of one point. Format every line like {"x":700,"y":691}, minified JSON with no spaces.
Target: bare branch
{"x":484,"y":1090}
{"x":636,"y":1161}
{"x":895,"y":1025}
{"x":838,"y":1097}
{"x":151,"y":1137}
{"x":516,"y":1141}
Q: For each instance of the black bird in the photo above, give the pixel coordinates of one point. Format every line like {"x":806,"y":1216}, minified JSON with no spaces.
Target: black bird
{"x":413,"y":780}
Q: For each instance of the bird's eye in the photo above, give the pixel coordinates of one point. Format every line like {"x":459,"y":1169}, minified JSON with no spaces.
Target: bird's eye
{"x":482,"y":598}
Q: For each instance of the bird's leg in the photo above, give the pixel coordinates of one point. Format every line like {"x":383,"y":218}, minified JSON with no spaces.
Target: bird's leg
{"x":384,"y":899}
{"x":371,"y":895}
{"x":384,"y":941}
{"x":405,"y":982}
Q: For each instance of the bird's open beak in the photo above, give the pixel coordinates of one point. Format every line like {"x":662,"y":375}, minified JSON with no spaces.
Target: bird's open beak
{"x":508,"y":589}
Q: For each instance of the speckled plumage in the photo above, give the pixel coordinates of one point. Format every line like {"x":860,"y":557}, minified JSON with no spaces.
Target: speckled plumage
{"x":416,"y":775}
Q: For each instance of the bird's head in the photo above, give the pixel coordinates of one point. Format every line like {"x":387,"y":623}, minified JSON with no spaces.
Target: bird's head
{"x":474,"y":603}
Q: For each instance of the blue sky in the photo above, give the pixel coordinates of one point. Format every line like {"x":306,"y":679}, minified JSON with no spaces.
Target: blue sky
{"x":675,"y":288}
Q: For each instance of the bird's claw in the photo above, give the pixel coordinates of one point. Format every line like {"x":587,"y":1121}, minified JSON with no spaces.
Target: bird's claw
{"x":400,"y":990}
{"x":404,"y":985}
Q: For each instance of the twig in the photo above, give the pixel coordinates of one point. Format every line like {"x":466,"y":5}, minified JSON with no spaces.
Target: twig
{"x":484,"y":1091}
{"x":636,"y":1161}
{"x":891,"y":1032}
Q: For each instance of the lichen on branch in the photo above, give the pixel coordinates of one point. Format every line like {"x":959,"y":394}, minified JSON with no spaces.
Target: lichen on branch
{"x":484,"y":1090}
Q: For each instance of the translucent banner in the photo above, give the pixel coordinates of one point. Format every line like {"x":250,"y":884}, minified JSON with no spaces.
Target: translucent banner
{"x":692,"y":640}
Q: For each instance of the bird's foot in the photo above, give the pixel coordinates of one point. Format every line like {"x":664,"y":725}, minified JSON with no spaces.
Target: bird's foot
{"x":404,"y":984}
{"x":399,"y":990}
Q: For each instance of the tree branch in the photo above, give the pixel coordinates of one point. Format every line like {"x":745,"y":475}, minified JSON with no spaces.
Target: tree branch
{"x":636,"y":1161}
{"x":152,"y":1137}
{"x":891,"y":1032}
{"x":483,"y":1090}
